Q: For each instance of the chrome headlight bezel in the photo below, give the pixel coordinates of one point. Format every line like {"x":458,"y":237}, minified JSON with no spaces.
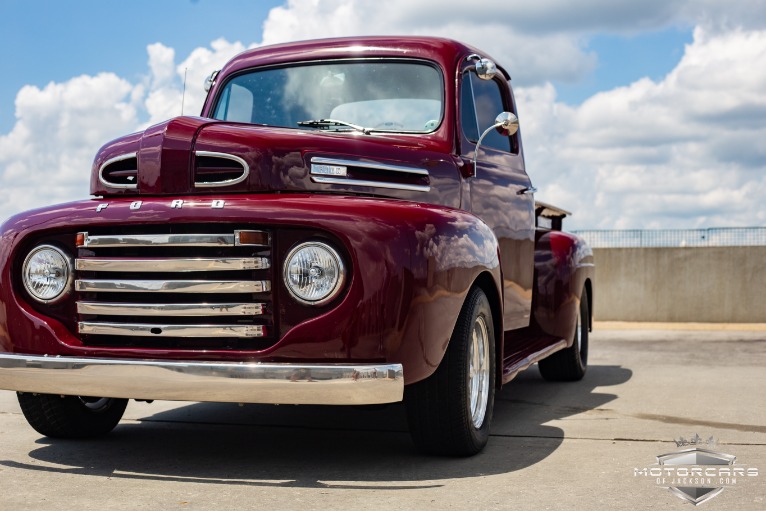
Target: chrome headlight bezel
{"x":334,"y":257}
{"x":67,"y":277}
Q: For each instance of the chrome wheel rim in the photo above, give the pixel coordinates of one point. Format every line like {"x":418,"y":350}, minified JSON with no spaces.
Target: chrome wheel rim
{"x":578,"y":337}
{"x":478,"y":372}
{"x":95,"y":404}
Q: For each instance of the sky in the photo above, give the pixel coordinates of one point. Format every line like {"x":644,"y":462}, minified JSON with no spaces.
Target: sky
{"x":633,"y":114}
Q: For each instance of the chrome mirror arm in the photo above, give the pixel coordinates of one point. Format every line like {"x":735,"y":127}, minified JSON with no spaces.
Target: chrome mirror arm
{"x":478,"y":144}
{"x":506,"y":120}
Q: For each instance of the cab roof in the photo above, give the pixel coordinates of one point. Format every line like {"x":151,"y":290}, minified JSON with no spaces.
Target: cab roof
{"x":445,"y":52}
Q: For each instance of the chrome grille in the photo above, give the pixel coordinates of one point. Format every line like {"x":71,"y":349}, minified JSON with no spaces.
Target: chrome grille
{"x":175,"y":290}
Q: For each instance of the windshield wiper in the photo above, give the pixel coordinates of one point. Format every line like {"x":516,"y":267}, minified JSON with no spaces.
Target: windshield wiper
{"x":326,"y":124}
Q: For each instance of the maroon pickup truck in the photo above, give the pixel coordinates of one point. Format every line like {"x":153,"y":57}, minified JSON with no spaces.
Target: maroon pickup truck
{"x":349,"y":221}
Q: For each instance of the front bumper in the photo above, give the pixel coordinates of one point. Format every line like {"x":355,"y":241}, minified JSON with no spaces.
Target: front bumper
{"x":236,"y":382}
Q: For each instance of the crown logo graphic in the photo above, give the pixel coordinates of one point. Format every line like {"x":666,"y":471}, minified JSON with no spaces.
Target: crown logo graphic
{"x":695,"y":441}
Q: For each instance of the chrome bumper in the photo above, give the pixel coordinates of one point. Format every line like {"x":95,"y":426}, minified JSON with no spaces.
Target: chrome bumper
{"x":245,"y":382}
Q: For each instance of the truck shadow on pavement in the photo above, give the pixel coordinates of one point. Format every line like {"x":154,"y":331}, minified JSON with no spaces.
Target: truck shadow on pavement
{"x":322,"y":447}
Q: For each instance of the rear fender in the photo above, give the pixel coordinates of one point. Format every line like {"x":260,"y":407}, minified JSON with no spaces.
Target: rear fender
{"x":563,"y":268}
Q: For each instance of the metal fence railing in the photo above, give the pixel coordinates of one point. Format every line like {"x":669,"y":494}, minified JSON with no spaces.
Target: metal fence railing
{"x":716,"y":237}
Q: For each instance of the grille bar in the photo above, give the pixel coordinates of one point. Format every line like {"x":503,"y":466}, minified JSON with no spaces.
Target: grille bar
{"x":173,"y":286}
{"x":172,"y":265}
{"x":188,"y":287}
{"x":172,"y":309}
{"x":150,"y":330}
{"x":169,"y":240}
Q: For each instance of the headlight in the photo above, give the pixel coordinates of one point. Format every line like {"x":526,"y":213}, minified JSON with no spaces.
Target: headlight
{"x":47,"y":273}
{"x":314,"y":273}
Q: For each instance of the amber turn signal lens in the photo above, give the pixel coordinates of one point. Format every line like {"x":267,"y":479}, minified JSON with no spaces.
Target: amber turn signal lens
{"x":251,"y":238}
{"x":79,"y":240}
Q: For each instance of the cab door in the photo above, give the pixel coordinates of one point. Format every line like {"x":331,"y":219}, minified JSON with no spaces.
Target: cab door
{"x":500,"y":192}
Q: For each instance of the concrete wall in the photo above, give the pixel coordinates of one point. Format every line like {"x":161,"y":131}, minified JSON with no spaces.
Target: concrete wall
{"x":710,"y":284}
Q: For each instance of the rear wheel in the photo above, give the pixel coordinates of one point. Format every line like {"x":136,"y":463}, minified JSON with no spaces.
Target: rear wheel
{"x":450,"y":412}
{"x":570,"y":363}
{"x":71,"y":416}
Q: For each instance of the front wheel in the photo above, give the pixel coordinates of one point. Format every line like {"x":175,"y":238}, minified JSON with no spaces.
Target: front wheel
{"x":71,"y":416}
{"x":450,"y":412}
{"x":570,"y":363}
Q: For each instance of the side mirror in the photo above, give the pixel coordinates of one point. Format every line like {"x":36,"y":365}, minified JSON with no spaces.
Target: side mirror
{"x":506,"y":123}
{"x":485,"y":68}
{"x":210,"y":80}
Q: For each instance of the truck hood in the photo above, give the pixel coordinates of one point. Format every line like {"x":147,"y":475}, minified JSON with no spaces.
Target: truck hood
{"x":195,"y":155}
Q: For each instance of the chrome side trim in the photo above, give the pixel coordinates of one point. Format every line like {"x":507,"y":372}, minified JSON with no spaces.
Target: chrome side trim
{"x":225,"y":156}
{"x":166,"y":240}
{"x":108,"y":162}
{"x":172,"y":265}
{"x":172,"y":309}
{"x":321,"y":169}
{"x":369,"y":165}
{"x":372,"y":184}
{"x":173,"y":286}
{"x":150,"y":330}
{"x":234,"y":382}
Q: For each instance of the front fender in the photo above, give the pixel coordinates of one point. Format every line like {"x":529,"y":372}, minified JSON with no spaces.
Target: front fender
{"x":451,"y":250}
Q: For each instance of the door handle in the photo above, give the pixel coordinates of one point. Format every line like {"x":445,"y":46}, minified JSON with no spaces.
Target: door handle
{"x":527,"y":190}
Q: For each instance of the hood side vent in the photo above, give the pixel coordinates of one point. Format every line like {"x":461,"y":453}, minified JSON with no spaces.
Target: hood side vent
{"x":120,"y":172}
{"x":218,"y":169}
{"x":368,"y":173}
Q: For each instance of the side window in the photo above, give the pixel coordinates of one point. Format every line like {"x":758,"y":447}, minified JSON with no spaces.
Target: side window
{"x":489,"y":102}
{"x":236,"y":104}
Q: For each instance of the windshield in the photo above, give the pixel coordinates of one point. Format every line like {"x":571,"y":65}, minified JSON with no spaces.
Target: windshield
{"x":376,"y":95}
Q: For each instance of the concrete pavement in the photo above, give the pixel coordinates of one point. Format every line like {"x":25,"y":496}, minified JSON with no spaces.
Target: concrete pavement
{"x":553,"y":446}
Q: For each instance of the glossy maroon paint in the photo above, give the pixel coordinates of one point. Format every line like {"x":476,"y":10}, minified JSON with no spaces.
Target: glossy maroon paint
{"x":564,"y":266}
{"x":412,"y":255}
{"x":279,"y":158}
{"x":413,"y":265}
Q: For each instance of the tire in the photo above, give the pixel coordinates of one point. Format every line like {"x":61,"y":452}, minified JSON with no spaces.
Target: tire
{"x":71,"y":416}
{"x":570,"y":364}
{"x":450,"y":412}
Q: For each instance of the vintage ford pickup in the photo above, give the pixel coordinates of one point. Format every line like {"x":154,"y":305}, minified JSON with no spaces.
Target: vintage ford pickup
{"x":349,"y":221}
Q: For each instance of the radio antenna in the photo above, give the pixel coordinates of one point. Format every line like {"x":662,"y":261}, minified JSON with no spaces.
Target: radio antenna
{"x":183,"y":94}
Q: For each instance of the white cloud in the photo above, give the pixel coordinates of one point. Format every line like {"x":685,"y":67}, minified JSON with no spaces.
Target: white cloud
{"x":47,"y":156}
{"x":683,"y":151}
{"x":167,"y":94}
{"x":539,"y":41}
{"x":533,"y":56}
